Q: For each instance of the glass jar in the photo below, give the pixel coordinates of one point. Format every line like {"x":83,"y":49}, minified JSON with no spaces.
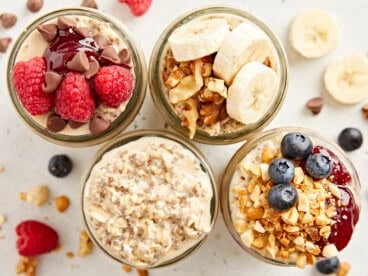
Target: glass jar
{"x":123,"y":119}
{"x":99,"y":161}
{"x":157,"y":86}
{"x":344,"y":176}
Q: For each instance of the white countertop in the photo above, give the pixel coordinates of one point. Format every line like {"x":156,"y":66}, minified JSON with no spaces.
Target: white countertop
{"x":25,"y":156}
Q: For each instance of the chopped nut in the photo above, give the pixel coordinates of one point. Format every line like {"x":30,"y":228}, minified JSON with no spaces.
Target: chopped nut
{"x":311,"y":259}
{"x":325,"y":231}
{"x":85,"y":244}
{"x":217,"y":85}
{"x":258,"y":227}
{"x":292,"y":229}
{"x":141,"y":272}
{"x":2,"y":219}
{"x":38,"y":195}
{"x":298,"y":240}
{"x":69,"y":255}
{"x":343,"y":269}
{"x":329,"y":251}
{"x":210,"y":113}
{"x":255,"y":213}
{"x":126,"y":268}
{"x":298,"y":176}
{"x":1,"y":168}
{"x":322,"y":220}
{"x":290,"y":216}
{"x":240,"y":225}
{"x":247,"y":237}
{"x":174,"y":78}
{"x":255,"y":193}
{"x":61,"y":203}
{"x":268,"y":154}
{"x":303,"y":203}
{"x":258,"y":243}
{"x":185,"y":89}
{"x":284,"y":254}
{"x":27,"y":265}
{"x":22,"y":196}
{"x":301,"y":261}
{"x":264,"y":172}
{"x":334,"y":189}
{"x":191,"y":115}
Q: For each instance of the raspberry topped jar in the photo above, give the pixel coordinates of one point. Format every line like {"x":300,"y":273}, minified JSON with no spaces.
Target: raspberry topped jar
{"x":290,"y":196}
{"x":77,"y":77}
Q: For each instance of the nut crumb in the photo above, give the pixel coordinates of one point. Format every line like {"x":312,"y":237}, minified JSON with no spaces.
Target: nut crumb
{"x":69,"y":255}
{"x":27,"y":266}
{"x":85,"y":244}
{"x":2,"y":219}
{"x":126,"y":268}
{"x":1,"y":168}
{"x":37,"y":195}
{"x":365,"y":110}
{"x":141,"y":272}
{"x":61,"y":203}
{"x":343,"y":269}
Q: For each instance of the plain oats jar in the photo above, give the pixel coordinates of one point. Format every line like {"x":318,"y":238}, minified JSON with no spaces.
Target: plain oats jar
{"x":123,"y":118}
{"x":232,"y":131}
{"x":321,"y":222}
{"x":149,"y":198}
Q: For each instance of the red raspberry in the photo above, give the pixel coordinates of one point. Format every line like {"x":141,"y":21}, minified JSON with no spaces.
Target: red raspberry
{"x":114,"y":84}
{"x":28,"y":78}
{"x":138,"y":7}
{"x":35,"y":238}
{"x":74,"y":100}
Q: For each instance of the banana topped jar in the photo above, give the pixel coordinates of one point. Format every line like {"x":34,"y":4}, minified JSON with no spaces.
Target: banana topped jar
{"x":290,"y":196}
{"x":218,"y":75}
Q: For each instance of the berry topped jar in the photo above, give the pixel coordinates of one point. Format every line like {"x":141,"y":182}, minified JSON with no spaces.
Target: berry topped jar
{"x":77,"y":77}
{"x":290,"y":196}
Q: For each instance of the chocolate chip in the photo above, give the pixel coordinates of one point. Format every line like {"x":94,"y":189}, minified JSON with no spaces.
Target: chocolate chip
{"x":8,"y":20}
{"x":65,"y":22}
{"x":83,"y":31}
{"x":125,"y":56}
{"x":55,"y":123}
{"x":97,"y":124}
{"x":79,"y":62}
{"x":4,"y":44}
{"x":89,"y":4}
{"x":48,"y":31}
{"x":109,"y":55}
{"x":101,"y":41}
{"x":94,"y":66}
{"x":52,"y":81}
{"x":315,"y":105}
{"x":74,"y":124}
{"x":34,"y":5}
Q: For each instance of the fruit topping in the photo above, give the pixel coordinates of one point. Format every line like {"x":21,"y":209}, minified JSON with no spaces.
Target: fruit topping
{"x":60,"y":165}
{"x":315,"y":105}
{"x":35,"y":238}
{"x":328,"y":266}
{"x":350,"y":139}
{"x":318,"y":165}
{"x":296,"y":145}
{"x":282,"y":196}
{"x":138,"y":7}
{"x":281,"y":170}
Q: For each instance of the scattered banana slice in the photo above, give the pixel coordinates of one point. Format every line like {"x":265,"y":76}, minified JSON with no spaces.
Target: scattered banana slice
{"x":251,"y":93}
{"x":243,"y":44}
{"x":314,"y":33}
{"x":346,"y":80}
{"x":198,"y":38}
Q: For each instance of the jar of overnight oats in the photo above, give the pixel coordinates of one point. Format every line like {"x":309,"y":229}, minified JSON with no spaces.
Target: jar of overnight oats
{"x":218,"y":75}
{"x":291,"y":196}
{"x":149,"y":198}
{"x":77,"y":77}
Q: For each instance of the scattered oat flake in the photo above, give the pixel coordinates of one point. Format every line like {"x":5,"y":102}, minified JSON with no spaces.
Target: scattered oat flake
{"x":126,"y":268}
{"x":70,"y":255}
{"x":85,"y":244}
{"x":27,"y":265}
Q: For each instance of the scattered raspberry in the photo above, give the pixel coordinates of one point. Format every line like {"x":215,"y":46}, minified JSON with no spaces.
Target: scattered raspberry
{"x":138,"y":7}
{"x":74,"y":99}
{"x":35,"y":238}
{"x":114,"y":84}
{"x":28,"y":78}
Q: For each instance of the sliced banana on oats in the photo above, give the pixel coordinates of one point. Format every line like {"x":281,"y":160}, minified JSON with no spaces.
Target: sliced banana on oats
{"x":346,"y":80}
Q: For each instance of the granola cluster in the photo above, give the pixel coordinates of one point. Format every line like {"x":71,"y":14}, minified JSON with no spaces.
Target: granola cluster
{"x":298,"y":235}
{"x":148,"y":201}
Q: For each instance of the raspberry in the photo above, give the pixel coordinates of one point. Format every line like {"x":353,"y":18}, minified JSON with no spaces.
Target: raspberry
{"x":74,"y":100}
{"x":114,"y":84}
{"x":28,"y":78}
{"x":138,"y":7}
{"x":35,"y":238}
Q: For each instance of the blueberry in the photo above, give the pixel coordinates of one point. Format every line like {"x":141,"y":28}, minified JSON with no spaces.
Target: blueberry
{"x":296,"y":145}
{"x":60,"y":165}
{"x":282,"y":196}
{"x":328,"y":266}
{"x":281,"y":170}
{"x":318,"y":165}
{"x":350,"y":139}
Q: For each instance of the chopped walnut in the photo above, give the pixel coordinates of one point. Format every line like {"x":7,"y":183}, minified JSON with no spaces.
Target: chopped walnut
{"x":27,"y":266}
{"x":37,"y":195}
{"x":85,"y":244}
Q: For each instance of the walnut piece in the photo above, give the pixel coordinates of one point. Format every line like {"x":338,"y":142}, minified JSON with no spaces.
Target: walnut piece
{"x":27,"y":266}
{"x":85,"y":244}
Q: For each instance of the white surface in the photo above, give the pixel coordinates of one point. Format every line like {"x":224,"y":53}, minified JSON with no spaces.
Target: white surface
{"x":25,"y":156}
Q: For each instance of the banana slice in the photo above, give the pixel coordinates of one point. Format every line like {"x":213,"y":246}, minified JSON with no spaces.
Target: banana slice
{"x":314,"y":33}
{"x":198,"y":38}
{"x":243,"y":44}
{"x":346,"y":80}
{"x":251,"y":93}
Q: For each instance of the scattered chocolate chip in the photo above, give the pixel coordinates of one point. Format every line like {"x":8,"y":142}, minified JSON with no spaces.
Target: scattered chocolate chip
{"x":52,"y":82}
{"x":125,"y":56}
{"x":4,"y":44}
{"x":84,"y":31}
{"x":101,"y":41}
{"x":94,"y":66}
{"x":65,"y":23}
{"x":48,"y":31}
{"x":315,"y":105}
{"x":89,"y":4}
{"x":74,"y":124}
{"x":79,"y":62}
{"x":8,"y":20}
{"x":97,"y":124}
{"x":55,"y":123}
{"x":109,"y":55}
{"x":34,"y":5}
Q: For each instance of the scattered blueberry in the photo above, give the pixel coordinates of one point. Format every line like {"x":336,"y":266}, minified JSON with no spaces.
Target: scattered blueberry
{"x":296,"y":145}
{"x":318,"y":165}
{"x":350,"y":139}
{"x":281,"y":170}
{"x":282,"y":196}
{"x":328,"y":266}
{"x":60,"y":165}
